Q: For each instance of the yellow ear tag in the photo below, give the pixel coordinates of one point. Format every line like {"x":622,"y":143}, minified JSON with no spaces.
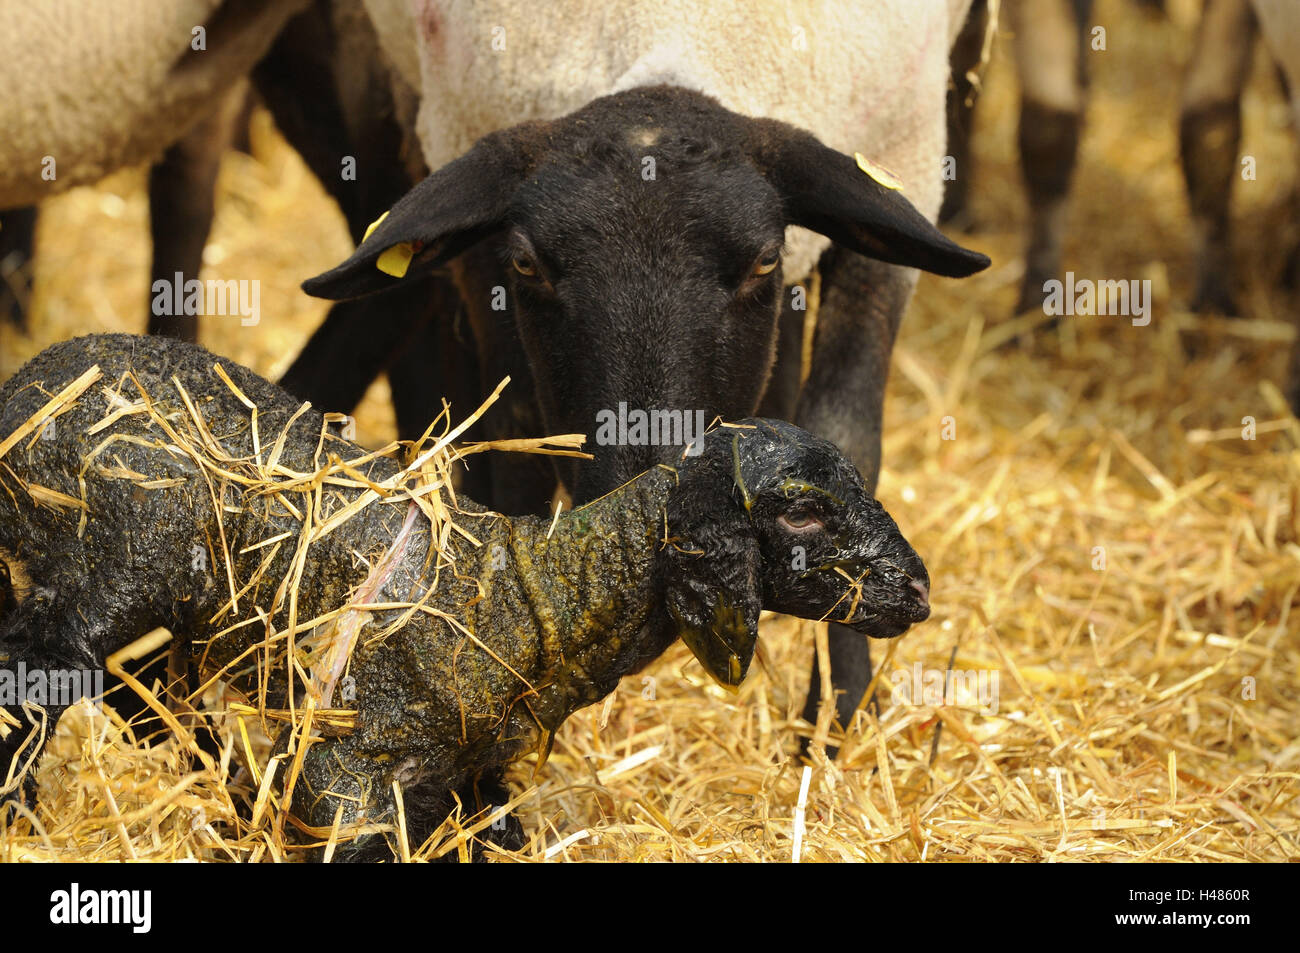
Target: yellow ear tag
{"x":370,"y":229}
{"x":878,"y":172}
{"x":394,"y":261}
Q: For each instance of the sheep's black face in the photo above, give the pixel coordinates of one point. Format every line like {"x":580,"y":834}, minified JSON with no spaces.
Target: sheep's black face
{"x":830,"y":551}
{"x":664,"y":246}
{"x":771,"y":517}
{"x":641,"y":238}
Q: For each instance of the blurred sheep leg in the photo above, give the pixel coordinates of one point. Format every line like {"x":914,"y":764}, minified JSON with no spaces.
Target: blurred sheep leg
{"x":1279,"y":21}
{"x":17,"y":238}
{"x":1209,"y":134}
{"x":1048,"y":46}
{"x":964,"y":58}
{"x":862,"y":305}
{"x":181,"y":196}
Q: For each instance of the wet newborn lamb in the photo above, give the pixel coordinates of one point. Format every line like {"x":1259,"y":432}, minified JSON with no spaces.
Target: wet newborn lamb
{"x":521,"y":622}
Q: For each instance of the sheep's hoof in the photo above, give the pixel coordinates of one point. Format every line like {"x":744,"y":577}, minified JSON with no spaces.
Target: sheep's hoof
{"x":1032,"y":295}
{"x":24,"y":793}
{"x":1213,"y":296}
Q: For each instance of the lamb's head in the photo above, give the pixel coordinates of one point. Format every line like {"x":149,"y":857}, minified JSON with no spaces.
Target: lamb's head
{"x":768,"y":516}
{"x":641,"y":241}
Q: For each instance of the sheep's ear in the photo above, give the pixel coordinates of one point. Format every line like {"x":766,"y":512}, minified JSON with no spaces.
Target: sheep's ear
{"x":713,"y":574}
{"x":455,"y":207}
{"x":854,"y":203}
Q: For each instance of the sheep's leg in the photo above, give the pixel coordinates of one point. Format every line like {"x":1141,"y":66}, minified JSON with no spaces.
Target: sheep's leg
{"x":338,"y":779}
{"x":436,"y":361}
{"x":782,"y":392}
{"x":181,"y":188}
{"x":862,"y":303}
{"x":851,"y":667}
{"x":335,"y":780}
{"x":964,"y":58}
{"x":17,"y":242}
{"x":1049,"y":58}
{"x":1209,"y":133}
{"x":524,"y":485}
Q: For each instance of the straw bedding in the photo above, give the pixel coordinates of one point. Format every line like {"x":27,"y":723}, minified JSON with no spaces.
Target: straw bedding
{"x":1099,"y":535}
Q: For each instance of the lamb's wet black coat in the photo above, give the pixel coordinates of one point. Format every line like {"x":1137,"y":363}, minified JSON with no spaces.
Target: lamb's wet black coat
{"x":695,"y":550}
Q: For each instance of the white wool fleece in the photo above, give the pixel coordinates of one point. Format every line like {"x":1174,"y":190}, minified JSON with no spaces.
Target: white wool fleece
{"x":865,"y":76}
{"x":101,"y":84}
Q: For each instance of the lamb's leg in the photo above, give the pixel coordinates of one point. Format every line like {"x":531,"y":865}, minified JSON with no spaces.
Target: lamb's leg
{"x":487,"y":792}
{"x":56,"y":631}
{"x":335,"y":780}
{"x":1209,"y":133}
{"x":339,"y":779}
{"x":1049,"y":60}
{"x":862,"y":303}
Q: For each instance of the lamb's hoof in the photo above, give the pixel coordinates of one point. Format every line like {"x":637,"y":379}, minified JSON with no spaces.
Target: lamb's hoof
{"x":506,"y":833}
{"x":23,"y":792}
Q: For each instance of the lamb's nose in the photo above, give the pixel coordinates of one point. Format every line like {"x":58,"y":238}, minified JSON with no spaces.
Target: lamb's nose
{"x":922,"y":591}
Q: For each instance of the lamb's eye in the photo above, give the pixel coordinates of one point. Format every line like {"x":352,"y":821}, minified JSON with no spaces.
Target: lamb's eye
{"x":800,"y":521}
{"x":524,"y":266}
{"x":767,"y":264}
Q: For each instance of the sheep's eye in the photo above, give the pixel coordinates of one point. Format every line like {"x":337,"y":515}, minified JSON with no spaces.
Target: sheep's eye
{"x":524,"y":266}
{"x":800,"y":521}
{"x":767,"y":264}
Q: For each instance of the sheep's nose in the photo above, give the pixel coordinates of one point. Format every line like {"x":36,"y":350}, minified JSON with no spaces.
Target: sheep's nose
{"x":922,"y":591}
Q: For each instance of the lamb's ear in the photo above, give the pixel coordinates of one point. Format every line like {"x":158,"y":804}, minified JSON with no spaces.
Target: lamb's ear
{"x":713,"y":573}
{"x":455,"y":207}
{"x":828,"y":192}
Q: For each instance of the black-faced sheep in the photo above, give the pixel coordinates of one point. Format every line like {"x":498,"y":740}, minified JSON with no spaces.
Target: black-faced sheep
{"x":520,"y":621}
{"x":636,"y":252}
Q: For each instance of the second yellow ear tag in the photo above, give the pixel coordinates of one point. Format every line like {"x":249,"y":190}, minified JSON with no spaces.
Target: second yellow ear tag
{"x":394,"y":261}
{"x":373,"y":225}
{"x":877,"y":172}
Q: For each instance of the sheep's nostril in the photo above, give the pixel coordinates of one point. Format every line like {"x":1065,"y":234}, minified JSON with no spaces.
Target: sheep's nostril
{"x":923,"y":591}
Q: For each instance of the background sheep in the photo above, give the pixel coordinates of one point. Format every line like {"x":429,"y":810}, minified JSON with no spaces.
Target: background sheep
{"x":529,"y":619}
{"x":1210,"y":130}
{"x":132,"y":70}
{"x":321,"y":75}
{"x":865,"y":76}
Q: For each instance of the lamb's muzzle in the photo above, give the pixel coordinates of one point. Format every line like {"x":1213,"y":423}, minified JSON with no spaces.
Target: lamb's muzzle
{"x":823,"y":547}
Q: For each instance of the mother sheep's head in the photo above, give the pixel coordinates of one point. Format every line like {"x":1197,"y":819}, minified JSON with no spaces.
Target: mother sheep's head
{"x":642,"y":235}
